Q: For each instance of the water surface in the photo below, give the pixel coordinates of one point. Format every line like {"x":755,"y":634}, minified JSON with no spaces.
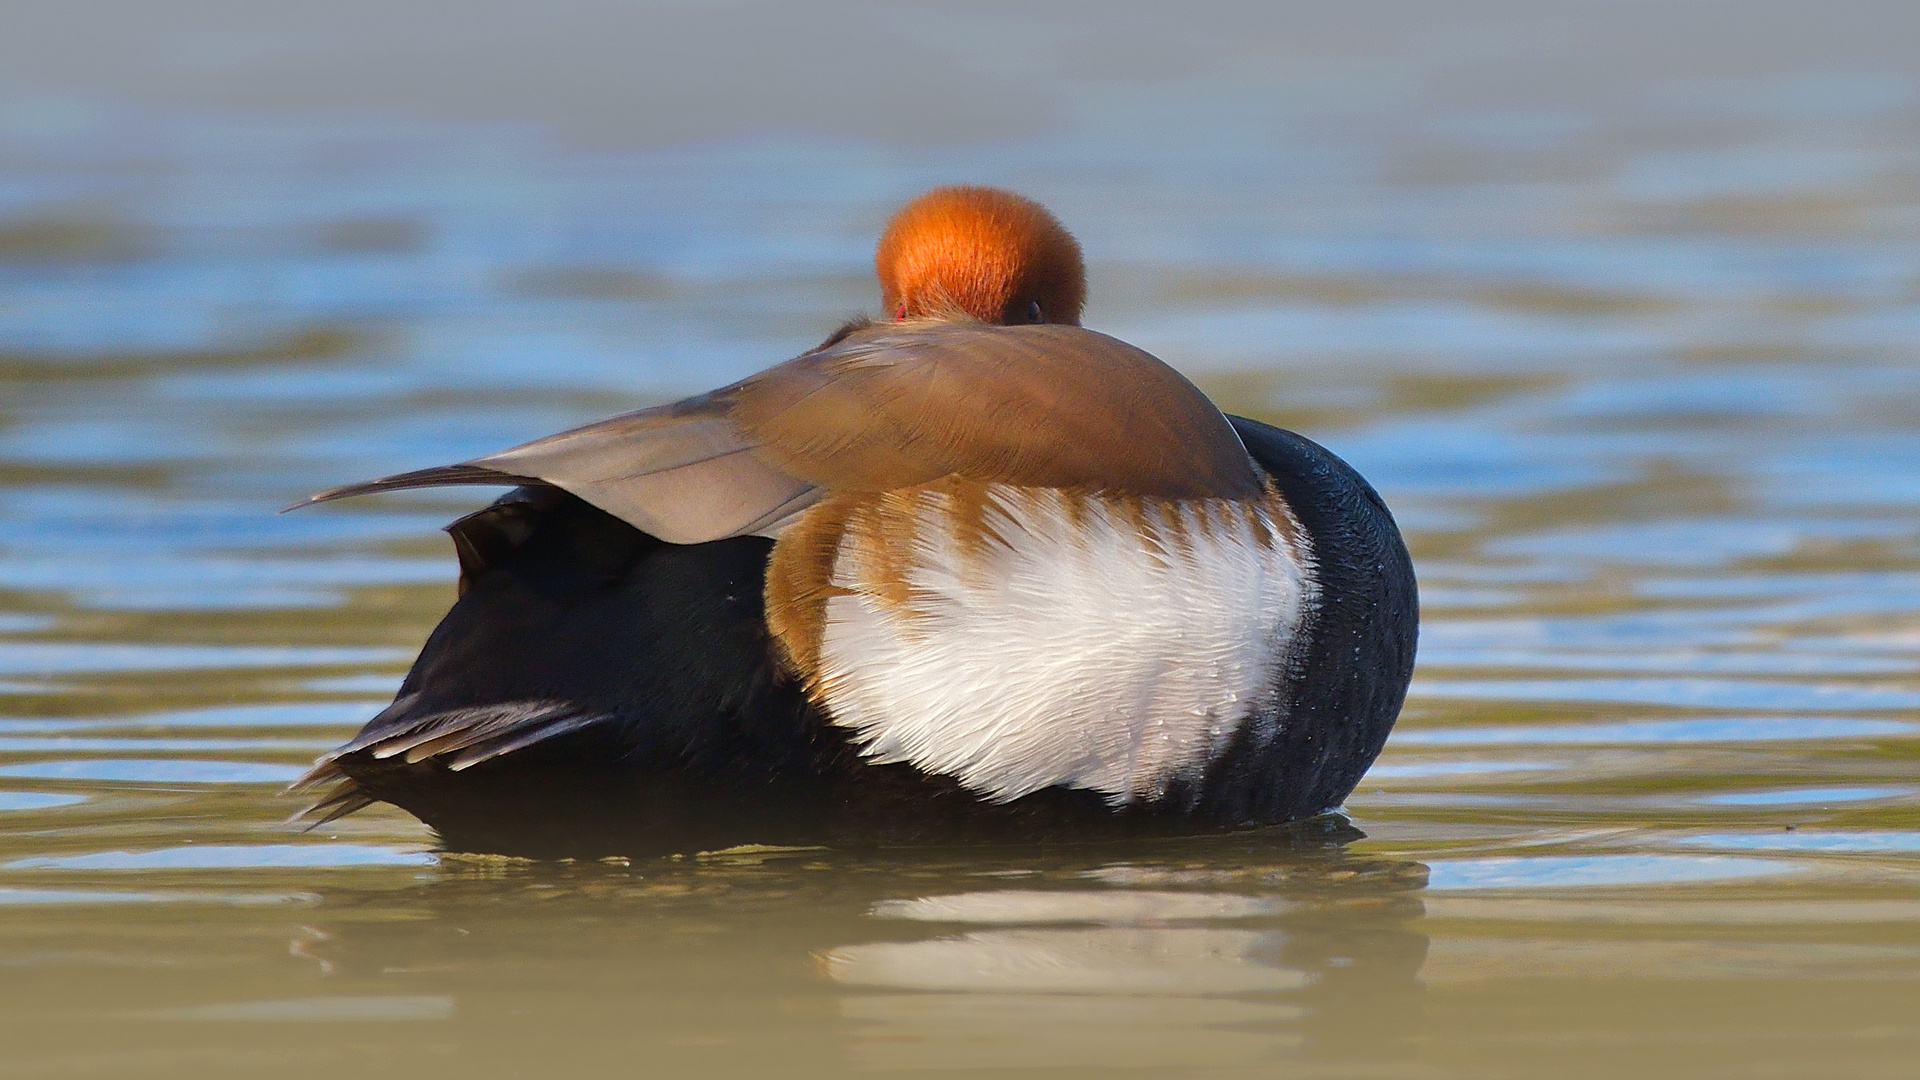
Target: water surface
{"x":1638,"y":373}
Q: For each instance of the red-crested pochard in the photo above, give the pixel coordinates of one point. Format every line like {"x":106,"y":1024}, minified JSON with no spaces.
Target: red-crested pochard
{"x":969,"y":572}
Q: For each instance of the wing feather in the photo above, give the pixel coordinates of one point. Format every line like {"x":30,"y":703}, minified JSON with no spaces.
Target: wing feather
{"x":681,"y":472}
{"x":885,"y":407}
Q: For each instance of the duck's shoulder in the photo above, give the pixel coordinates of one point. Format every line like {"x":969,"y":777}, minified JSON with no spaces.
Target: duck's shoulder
{"x":893,"y":405}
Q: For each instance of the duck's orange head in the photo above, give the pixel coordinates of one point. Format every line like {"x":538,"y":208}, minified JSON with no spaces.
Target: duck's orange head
{"x":991,"y":254}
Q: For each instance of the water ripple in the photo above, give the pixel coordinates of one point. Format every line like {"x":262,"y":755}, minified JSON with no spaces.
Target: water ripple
{"x":156,"y":771}
{"x":230,"y":857}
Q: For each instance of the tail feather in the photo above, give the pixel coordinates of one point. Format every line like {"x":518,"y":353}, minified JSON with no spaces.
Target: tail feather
{"x":467,"y":757}
{"x":345,"y":799}
{"x":454,"y":739}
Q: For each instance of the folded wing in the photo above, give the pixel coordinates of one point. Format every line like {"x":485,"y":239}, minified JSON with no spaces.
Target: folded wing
{"x":886,"y":407}
{"x":682,"y":472}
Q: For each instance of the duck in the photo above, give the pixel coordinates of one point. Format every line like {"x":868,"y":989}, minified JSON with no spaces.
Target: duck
{"x":969,"y":572}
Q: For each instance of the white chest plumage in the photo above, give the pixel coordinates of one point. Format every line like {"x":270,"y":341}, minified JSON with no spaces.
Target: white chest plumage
{"x":1061,"y":639}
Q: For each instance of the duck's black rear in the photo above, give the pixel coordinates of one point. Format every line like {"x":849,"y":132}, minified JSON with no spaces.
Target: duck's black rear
{"x":678,"y":727}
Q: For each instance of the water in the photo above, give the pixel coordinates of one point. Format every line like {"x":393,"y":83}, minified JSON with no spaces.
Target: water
{"x":1634,"y":361}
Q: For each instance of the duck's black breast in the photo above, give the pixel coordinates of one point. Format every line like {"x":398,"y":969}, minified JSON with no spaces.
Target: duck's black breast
{"x":1352,"y":656}
{"x":597,"y":691}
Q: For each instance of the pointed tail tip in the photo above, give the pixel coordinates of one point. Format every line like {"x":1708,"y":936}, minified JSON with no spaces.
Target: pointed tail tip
{"x":323,"y":772}
{"x":345,"y":797}
{"x":330,"y":495}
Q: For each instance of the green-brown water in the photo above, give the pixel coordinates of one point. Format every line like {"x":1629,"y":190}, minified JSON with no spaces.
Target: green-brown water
{"x":1631,"y":344}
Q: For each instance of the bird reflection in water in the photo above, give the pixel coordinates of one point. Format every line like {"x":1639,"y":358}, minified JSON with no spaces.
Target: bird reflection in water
{"x":1141,"y":965}
{"x":1280,"y":945}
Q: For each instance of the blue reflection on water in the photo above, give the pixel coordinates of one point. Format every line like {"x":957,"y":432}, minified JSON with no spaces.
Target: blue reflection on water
{"x":1654,"y":732}
{"x":274,"y":715}
{"x":14,"y":897}
{"x":1686,"y":693}
{"x":1802,"y":796}
{"x":156,"y":771}
{"x":1587,"y":871}
{"x":232,"y":857}
{"x":37,"y":800}
{"x":84,"y":745}
{"x":63,"y":658}
{"x":1865,"y":842}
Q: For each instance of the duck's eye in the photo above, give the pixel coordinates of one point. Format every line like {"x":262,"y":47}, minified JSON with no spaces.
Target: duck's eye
{"x":1034,"y":314}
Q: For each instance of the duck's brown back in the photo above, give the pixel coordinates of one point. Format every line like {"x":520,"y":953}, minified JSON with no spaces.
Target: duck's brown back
{"x":894,"y":406}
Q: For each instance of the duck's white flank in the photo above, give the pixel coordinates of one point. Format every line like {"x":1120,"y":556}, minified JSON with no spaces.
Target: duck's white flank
{"x":1087,"y":642}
